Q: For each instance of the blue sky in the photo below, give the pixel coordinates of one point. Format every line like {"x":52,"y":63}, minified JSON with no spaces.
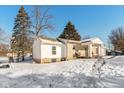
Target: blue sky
{"x":95,"y":21}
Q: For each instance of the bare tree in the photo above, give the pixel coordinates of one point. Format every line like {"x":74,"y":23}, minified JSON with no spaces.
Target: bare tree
{"x":4,"y":37}
{"x":40,"y":19}
{"x":2,"y":34}
{"x":4,"y":43}
{"x":117,"y":39}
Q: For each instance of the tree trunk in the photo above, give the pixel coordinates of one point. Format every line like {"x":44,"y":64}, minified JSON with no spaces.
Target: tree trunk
{"x":23,"y":57}
{"x":18,"y":55}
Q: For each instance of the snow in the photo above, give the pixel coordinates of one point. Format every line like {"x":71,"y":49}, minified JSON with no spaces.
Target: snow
{"x":4,"y":59}
{"x":74,"y":73}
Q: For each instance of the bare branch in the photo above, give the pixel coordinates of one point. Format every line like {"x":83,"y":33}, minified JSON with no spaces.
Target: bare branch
{"x":44,"y":15}
{"x":117,"y":39}
{"x":41,"y":20}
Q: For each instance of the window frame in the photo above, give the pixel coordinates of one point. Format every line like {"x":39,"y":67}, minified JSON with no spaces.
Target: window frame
{"x":53,"y":50}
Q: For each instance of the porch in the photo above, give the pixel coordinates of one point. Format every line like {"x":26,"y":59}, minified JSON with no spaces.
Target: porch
{"x":88,"y":50}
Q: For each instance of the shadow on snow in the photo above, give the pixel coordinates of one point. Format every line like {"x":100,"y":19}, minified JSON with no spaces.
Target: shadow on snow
{"x":59,"y":81}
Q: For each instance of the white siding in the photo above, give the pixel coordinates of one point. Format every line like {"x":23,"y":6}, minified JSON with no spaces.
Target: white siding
{"x":103,"y":51}
{"x":90,"y":50}
{"x":37,"y":49}
{"x":63,"y":51}
{"x":47,"y":51}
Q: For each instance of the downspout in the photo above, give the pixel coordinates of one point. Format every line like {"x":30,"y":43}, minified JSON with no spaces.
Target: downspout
{"x":67,"y":50}
{"x":40,"y":51}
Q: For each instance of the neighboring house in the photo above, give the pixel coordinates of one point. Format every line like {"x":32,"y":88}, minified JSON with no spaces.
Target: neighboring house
{"x":114,"y":52}
{"x":51,"y":50}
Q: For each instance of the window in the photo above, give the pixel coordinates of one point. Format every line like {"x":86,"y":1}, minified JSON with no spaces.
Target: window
{"x":54,"y":60}
{"x":53,"y":50}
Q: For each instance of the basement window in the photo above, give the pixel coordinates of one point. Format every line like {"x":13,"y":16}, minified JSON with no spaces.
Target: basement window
{"x":53,"y":50}
{"x":53,"y":60}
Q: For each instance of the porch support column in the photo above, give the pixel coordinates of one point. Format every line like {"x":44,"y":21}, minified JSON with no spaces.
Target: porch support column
{"x":90,"y":50}
{"x":99,"y":50}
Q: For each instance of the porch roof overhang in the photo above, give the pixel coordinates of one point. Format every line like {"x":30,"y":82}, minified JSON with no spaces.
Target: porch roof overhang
{"x":92,"y":41}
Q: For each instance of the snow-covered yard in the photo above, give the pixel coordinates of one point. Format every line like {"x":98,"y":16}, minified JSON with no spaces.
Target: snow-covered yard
{"x":74,"y":73}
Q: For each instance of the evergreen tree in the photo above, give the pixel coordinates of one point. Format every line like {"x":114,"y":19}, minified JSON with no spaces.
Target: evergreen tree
{"x":70,"y":32}
{"x":20,"y":41}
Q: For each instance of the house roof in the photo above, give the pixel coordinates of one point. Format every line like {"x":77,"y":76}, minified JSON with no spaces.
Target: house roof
{"x":88,"y":40}
{"x":61,"y":40}
{"x":93,"y":40}
{"x":67,"y":41}
{"x":47,"y":38}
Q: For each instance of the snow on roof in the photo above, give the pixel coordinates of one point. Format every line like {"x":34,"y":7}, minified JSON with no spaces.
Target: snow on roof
{"x":47,"y":38}
{"x":67,"y":40}
{"x":91,"y":40}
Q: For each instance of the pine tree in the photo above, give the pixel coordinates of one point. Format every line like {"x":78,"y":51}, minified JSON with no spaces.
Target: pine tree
{"x":20,"y":41}
{"x":70,"y":32}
